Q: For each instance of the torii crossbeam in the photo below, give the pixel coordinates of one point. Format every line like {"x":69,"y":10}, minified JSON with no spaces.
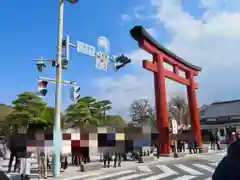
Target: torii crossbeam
{"x":160,"y":55}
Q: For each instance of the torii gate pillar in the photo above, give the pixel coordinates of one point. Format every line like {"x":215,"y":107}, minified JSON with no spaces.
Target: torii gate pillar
{"x":160,"y":56}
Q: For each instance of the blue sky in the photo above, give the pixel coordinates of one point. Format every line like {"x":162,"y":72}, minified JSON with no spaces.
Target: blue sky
{"x":28,"y":30}
{"x":192,"y":29}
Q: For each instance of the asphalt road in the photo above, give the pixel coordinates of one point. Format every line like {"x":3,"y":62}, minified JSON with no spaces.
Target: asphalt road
{"x":200,"y":167}
{"x":197,"y":167}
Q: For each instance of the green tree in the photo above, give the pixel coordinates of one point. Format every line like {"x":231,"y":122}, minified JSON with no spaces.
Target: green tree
{"x":87,"y":110}
{"x":114,"y":121}
{"x":28,"y":109}
{"x":49,"y":115}
{"x":5,"y":110}
{"x":82,"y":112}
{"x":103,"y":106}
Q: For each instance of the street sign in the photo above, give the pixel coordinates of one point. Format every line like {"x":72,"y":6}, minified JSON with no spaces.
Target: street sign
{"x":86,"y":49}
{"x":174,"y":127}
{"x":102,"y":53}
{"x":101,"y":61}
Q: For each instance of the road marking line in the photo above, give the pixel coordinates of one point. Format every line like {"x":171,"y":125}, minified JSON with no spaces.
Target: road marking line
{"x":188,"y":169}
{"x":134,"y":176}
{"x":166,"y":173}
{"x":112,"y":175}
{"x":214,"y":163}
{"x":89,"y":175}
{"x":185,"y":177}
{"x":144,"y":169}
{"x":204,"y":167}
{"x":210,"y":178}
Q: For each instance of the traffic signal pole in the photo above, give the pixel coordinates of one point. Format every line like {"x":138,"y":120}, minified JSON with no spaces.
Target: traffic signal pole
{"x":100,"y":53}
{"x":57,"y":135}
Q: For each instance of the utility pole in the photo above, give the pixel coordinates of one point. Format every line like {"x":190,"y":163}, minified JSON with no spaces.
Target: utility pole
{"x":57,"y":135}
{"x":101,"y":53}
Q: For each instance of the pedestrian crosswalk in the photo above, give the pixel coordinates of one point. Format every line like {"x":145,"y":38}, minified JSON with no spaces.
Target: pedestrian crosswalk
{"x":181,"y":170}
{"x":190,"y":170}
{"x":216,"y":157}
{"x":157,"y":172}
{"x":15,"y":175}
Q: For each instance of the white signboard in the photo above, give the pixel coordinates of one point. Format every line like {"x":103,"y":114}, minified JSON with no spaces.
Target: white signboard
{"x":102,"y":61}
{"x":102,"y":53}
{"x":174,"y":126}
{"x":86,"y":49}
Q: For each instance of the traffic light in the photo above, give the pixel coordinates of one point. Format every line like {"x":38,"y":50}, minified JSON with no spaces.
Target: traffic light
{"x":121,"y":61}
{"x":53,"y":63}
{"x":75,"y":93}
{"x":42,"y":87}
{"x":40,"y":65}
{"x":72,"y":1}
{"x":66,"y":45}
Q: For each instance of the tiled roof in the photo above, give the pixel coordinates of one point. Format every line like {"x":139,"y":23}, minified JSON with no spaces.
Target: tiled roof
{"x":220,"y":109}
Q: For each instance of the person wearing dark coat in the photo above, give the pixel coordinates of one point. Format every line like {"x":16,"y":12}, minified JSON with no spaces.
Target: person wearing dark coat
{"x":14,"y":142}
{"x":229,"y":167}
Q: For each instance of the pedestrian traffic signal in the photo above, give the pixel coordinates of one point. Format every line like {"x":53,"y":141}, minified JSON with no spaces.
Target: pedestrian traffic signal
{"x":42,"y":87}
{"x":40,"y":65}
{"x":120,"y":62}
{"x":72,"y":1}
{"x":53,"y":63}
{"x":66,"y":45}
{"x":75,"y":93}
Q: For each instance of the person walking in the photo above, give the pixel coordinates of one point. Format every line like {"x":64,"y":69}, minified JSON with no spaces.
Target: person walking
{"x":212,"y":141}
{"x":42,"y":159}
{"x":14,"y":151}
{"x":117,"y":159}
{"x":25,"y":166}
{"x":106,"y":158}
{"x":233,"y":137}
{"x":25,"y":155}
{"x":218,"y":140}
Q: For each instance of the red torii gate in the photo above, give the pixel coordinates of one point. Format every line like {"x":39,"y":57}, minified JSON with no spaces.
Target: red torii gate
{"x":161,"y":55}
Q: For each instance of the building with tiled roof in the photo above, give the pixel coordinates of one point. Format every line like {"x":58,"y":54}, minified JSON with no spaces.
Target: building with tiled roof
{"x":223,"y":116}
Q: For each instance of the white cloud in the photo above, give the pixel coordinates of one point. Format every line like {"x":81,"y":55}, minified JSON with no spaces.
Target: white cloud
{"x":126,"y":17}
{"x":141,"y":13}
{"x":211,"y":42}
{"x":152,"y":31}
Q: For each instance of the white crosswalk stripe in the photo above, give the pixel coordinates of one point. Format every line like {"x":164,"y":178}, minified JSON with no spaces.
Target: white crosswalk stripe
{"x":185,"y":177}
{"x":112,"y":175}
{"x":204,"y":167}
{"x":210,"y":178}
{"x":213,"y":163}
{"x":144,"y":169}
{"x":213,"y":157}
{"x":139,"y":175}
{"x":166,"y":173}
{"x":188,"y":169}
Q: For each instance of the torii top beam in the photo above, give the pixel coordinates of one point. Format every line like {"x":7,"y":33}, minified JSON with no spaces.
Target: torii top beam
{"x":150,"y":45}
